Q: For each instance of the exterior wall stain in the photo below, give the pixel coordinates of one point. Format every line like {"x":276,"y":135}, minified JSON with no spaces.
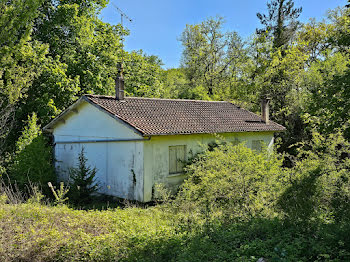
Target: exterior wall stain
{"x":133,"y":177}
{"x":113,"y":161}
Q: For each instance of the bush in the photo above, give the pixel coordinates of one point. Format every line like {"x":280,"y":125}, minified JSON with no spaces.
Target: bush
{"x":33,"y":165}
{"x":319,"y":187}
{"x":232,"y":181}
{"x":82,"y":184}
{"x":33,"y":161}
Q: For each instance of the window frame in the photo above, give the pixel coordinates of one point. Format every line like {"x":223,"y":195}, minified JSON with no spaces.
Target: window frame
{"x":179,"y":167}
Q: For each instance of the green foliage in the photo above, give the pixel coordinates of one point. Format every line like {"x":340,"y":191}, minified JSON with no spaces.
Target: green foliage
{"x":20,"y":60}
{"x":340,"y":35}
{"x":62,"y":234}
{"x":211,"y":57}
{"x":330,"y":102}
{"x":33,"y":161}
{"x":34,"y":164}
{"x":3,"y":199}
{"x":36,"y":197}
{"x":143,"y":75}
{"x":236,"y":205}
{"x":57,"y":51}
{"x":59,"y":194}
{"x":232,"y":182}
{"x":227,"y":210}
{"x":319,"y":187}
{"x":59,"y":233}
{"x":281,"y":21}
{"x":328,"y":75}
{"x":30,"y":132}
{"x":82,"y":181}
{"x":50,"y":93}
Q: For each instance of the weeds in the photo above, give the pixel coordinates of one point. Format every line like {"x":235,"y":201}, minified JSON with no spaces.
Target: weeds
{"x":59,"y":194}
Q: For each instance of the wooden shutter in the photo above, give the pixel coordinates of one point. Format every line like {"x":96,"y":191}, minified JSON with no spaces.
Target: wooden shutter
{"x":180,"y":154}
{"x":172,"y":159}
{"x":177,"y":157}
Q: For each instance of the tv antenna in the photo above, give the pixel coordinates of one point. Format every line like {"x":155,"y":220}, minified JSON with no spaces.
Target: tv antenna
{"x":122,"y":16}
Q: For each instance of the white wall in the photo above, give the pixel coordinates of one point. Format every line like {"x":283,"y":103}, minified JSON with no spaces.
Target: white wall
{"x":119,"y":164}
{"x":156,"y":155}
{"x":91,"y":123}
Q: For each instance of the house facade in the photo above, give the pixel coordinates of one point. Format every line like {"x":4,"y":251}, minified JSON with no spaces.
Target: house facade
{"x":135,"y":143}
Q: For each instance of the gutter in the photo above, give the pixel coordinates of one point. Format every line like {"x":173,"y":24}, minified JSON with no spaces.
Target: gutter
{"x":102,"y":141}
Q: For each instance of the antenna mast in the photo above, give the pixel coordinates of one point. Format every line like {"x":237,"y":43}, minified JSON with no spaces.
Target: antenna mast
{"x":122,"y":15}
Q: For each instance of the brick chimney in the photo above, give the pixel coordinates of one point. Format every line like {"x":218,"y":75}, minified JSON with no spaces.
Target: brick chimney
{"x":265,"y":109}
{"x":119,"y":84}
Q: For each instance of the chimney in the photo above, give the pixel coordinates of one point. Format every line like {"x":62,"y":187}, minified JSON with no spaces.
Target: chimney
{"x":119,"y":84}
{"x":265,"y":109}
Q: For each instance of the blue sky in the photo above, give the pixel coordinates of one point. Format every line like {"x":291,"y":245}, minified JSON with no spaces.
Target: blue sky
{"x":158,"y":24}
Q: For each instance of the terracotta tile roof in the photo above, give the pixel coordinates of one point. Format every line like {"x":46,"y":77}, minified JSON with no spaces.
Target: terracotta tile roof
{"x":175,"y":116}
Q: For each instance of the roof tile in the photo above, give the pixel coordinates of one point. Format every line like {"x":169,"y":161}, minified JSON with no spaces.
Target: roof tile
{"x":153,"y":116}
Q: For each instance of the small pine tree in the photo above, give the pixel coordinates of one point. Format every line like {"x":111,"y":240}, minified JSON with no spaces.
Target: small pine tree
{"x":82,"y":184}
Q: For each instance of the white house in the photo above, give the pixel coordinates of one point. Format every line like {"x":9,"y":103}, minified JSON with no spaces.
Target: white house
{"x":138,"y":142}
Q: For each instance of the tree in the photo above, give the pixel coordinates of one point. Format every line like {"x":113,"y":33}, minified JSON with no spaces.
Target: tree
{"x":143,"y":75}
{"x":20,"y":58}
{"x":80,"y":57}
{"x":280,"y":67}
{"x":280,"y":22}
{"x":82,"y":181}
{"x":30,"y":132}
{"x":211,"y":56}
{"x":328,"y":79}
{"x":80,"y":40}
{"x":175,"y":83}
{"x":319,"y":186}
{"x":33,"y":161}
{"x":280,"y":75}
{"x":340,"y":34}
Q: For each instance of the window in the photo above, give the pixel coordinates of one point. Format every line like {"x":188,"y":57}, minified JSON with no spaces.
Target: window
{"x":177,"y":157}
{"x":257,"y":145}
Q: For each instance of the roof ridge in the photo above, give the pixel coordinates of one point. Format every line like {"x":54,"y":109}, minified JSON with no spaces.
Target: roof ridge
{"x":166,"y":99}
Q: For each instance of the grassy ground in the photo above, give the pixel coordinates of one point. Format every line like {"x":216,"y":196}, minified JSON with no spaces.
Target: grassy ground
{"x":34,"y":232}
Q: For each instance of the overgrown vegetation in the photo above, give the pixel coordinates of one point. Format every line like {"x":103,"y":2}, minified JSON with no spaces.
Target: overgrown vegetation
{"x":232,"y":182}
{"x":236,"y":204}
{"x":32,"y":162}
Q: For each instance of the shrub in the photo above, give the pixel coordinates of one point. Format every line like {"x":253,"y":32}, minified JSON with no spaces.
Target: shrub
{"x":82,"y":184}
{"x":232,"y":181}
{"x":319,"y":187}
{"x":33,"y":160}
{"x":33,"y":165}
